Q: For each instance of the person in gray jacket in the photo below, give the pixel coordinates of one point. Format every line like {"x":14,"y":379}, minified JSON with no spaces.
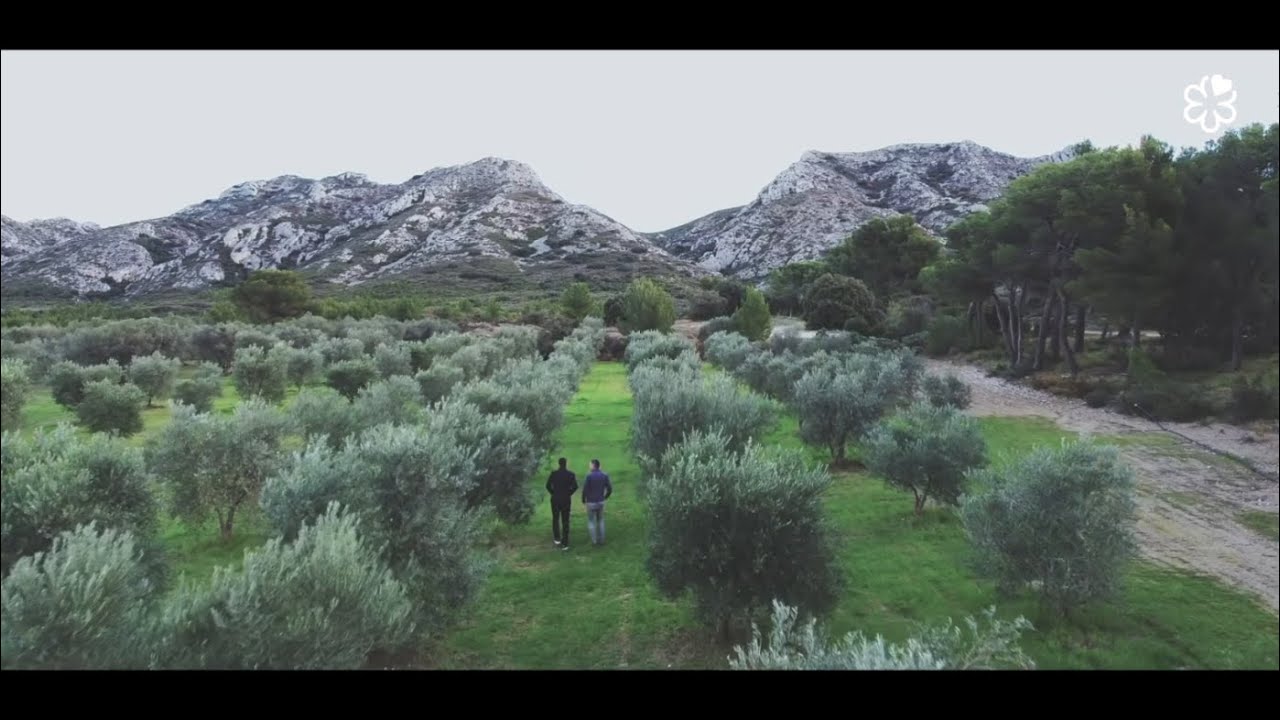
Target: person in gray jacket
{"x":596,"y":489}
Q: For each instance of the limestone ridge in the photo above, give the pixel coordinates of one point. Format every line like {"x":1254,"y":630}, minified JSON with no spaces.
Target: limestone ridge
{"x":345,"y":229}
{"x":819,"y":200}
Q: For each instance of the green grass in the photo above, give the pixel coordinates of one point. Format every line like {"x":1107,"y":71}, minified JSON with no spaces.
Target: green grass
{"x":597,"y":608}
{"x":194,"y":551}
{"x":1266,"y":524}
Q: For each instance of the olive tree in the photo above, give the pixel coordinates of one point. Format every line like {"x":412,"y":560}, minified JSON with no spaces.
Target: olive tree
{"x":794,"y":645}
{"x":757,"y":523}
{"x":1058,"y":519}
{"x":323,"y":601}
{"x":111,"y":407}
{"x":15,"y":386}
{"x":350,"y":376}
{"x":260,"y":373}
{"x":213,"y":464}
{"x":507,"y":452}
{"x":926,"y":450}
{"x":154,"y":374}
{"x":86,"y":603}
{"x":838,"y":403}
{"x":57,"y":480}
{"x":947,"y":391}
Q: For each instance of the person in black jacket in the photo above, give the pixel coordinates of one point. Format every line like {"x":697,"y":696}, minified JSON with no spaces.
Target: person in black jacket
{"x":561,"y":485}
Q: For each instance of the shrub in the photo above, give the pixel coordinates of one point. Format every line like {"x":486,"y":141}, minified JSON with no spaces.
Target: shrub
{"x":537,"y":400}
{"x":839,"y":403}
{"x":350,"y":376}
{"x":757,"y":522}
{"x":262,"y":374}
{"x":319,"y":412}
{"x":423,"y":354}
{"x":1099,"y":396}
{"x":216,"y":344}
{"x":947,"y":391}
{"x":713,"y":326}
{"x":834,"y":300}
{"x":394,"y":401}
{"x":84,"y":604}
{"x":647,"y":306}
{"x":55,"y":481}
{"x":325,"y":600}
{"x":271,"y":295}
{"x":706,"y":305}
{"x":302,"y":365}
{"x":803,"y":647}
{"x":668,"y":406}
{"x":1253,"y":399}
{"x":507,"y":453}
{"x":576,"y":301}
{"x":436,"y":382}
{"x":391,"y":360}
{"x":15,"y":386}
{"x":946,"y":333}
{"x":427,"y":329}
{"x":613,"y":310}
{"x":648,"y":344}
{"x":154,"y":374}
{"x":109,"y":407}
{"x":752,"y":319}
{"x":926,"y":450}
{"x":248,"y":337}
{"x":336,"y":350}
{"x":1061,"y":518}
{"x":729,"y":350}
{"x":909,"y":315}
{"x":213,"y":464}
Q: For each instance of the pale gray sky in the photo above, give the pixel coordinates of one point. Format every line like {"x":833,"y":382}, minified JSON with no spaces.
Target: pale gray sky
{"x":653,"y":139}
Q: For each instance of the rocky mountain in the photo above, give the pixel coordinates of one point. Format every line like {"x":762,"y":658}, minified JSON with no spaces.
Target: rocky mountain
{"x":820,"y":200}
{"x":492,"y":219}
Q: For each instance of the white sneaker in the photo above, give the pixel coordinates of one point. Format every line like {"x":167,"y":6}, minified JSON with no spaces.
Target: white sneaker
{"x":557,"y":542}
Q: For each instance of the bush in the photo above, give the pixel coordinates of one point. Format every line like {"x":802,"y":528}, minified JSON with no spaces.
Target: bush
{"x":216,"y":344}
{"x":507,"y":452}
{"x":67,"y":381}
{"x":927,"y":450}
{"x":436,"y":382}
{"x":947,"y":391}
{"x":394,"y":401}
{"x":948,"y":647}
{"x":668,"y":406}
{"x":757,"y":522}
{"x":84,"y":604}
{"x":212,"y":464}
{"x":1099,"y":396}
{"x":1150,"y":393}
{"x":336,"y":350}
{"x":427,"y":329}
{"x":15,"y":387}
{"x":262,"y":374}
{"x":325,"y":600}
{"x":647,"y":306}
{"x":391,"y":360}
{"x":199,"y":393}
{"x":909,"y":315}
{"x":57,"y":480}
{"x":1060,"y":518}
{"x":109,"y":407}
{"x":613,"y":311}
{"x":302,"y":366}
{"x":272,"y":295}
{"x":1253,"y":399}
{"x":350,"y":376}
{"x":576,"y":301}
{"x":713,"y":326}
{"x":946,"y":333}
{"x":406,"y":484}
{"x":319,"y":412}
{"x":649,"y":344}
{"x":253,"y":338}
{"x":538,"y":400}
{"x":834,"y":300}
{"x":154,"y":374}
{"x":729,"y":350}
{"x":838,"y":403}
{"x":423,"y":354}
{"x":752,"y":319}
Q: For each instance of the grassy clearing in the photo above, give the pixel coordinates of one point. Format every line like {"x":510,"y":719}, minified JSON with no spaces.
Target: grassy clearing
{"x":589,"y":608}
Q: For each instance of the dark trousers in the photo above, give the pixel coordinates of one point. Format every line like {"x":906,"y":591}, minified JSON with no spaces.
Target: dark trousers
{"x":560,"y":519}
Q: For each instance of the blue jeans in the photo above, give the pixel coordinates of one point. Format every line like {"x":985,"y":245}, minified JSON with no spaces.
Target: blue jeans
{"x":595,"y":522}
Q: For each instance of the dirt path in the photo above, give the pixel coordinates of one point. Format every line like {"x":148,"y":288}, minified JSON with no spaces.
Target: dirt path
{"x":1189,"y":500}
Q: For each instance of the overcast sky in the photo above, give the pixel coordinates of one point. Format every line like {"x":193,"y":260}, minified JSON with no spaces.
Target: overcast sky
{"x":652,"y":139}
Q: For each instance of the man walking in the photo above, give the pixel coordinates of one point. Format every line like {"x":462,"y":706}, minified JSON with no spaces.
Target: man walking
{"x":595,"y":490}
{"x":561,"y":485}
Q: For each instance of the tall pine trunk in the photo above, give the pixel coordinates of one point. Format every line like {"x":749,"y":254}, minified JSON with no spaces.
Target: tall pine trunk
{"x":1062,"y":334}
{"x":1037,"y":361}
{"x":1081,"y":312}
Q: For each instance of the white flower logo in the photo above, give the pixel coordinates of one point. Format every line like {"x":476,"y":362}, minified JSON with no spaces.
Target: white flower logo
{"x":1210,"y":111}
